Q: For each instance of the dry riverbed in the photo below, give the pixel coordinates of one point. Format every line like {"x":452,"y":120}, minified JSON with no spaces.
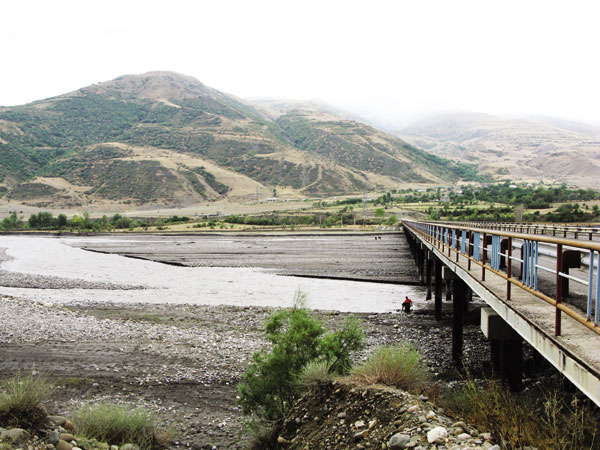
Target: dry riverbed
{"x":181,"y":359}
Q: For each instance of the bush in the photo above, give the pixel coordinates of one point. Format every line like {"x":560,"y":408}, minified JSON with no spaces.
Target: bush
{"x":21,"y":402}
{"x":271,"y":382}
{"x":119,"y":424}
{"x":399,"y":366}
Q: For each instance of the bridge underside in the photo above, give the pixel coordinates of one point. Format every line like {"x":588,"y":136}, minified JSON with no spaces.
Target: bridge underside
{"x":576,"y":353}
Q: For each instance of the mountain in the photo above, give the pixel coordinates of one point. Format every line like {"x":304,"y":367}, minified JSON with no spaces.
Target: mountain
{"x":532,"y":149}
{"x":163,"y":138}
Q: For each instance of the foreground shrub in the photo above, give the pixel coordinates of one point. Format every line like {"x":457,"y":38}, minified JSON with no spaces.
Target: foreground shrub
{"x":119,"y":424}
{"x":517,"y":420}
{"x":21,"y":401}
{"x":271,"y":382}
{"x":394,"y":365}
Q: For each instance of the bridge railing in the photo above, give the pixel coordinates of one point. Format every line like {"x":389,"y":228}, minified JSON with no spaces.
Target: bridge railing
{"x":580,"y":231}
{"x":492,"y":250}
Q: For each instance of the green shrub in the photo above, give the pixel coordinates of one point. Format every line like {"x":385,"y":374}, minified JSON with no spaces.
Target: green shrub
{"x":271,"y":382}
{"x":400,"y":366}
{"x":119,"y":424}
{"x":21,"y":401}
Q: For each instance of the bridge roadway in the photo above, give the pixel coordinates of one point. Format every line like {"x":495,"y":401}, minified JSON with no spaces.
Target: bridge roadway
{"x":566,"y":338}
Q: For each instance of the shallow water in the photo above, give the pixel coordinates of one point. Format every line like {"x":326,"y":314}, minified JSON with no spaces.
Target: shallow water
{"x":163,"y":283}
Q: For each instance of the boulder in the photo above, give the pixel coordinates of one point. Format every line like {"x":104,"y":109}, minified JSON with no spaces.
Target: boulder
{"x":398,"y":441}
{"x":52,"y":437}
{"x":59,"y":421}
{"x":14,"y":435}
{"x":437,"y":434}
{"x":69,"y":426}
{"x":63,"y":445}
{"x":66,"y":437}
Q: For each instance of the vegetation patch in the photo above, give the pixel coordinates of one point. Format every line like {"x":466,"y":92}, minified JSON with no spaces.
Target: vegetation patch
{"x":21,"y":401}
{"x":120,"y":424}
{"x":545,"y":420}
{"x":271,"y":383}
{"x":400,"y":366}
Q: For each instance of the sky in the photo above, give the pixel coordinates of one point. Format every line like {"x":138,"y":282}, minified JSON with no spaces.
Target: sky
{"x":390,"y":61}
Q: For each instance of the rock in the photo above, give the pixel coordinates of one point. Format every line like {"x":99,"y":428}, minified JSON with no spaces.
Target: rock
{"x":464,"y":436}
{"x":63,"y":445}
{"x":372,"y":423}
{"x":495,"y":447}
{"x":135,"y":447}
{"x":460,"y":424}
{"x":398,"y":441}
{"x":14,"y":435}
{"x":431,"y":415}
{"x":59,"y":421}
{"x":280,"y":440}
{"x":52,"y":437}
{"x":423,"y":398}
{"x":360,"y":435}
{"x":413,"y":408}
{"x":486,"y":436}
{"x":359,"y":424}
{"x":342,"y":415}
{"x":436,"y":434}
{"x":69,"y":426}
{"x":114,"y":447}
{"x":66,"y":437}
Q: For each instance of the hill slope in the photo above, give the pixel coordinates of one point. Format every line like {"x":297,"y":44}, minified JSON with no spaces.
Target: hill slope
{"x":166,"y":139}
{"x":536,"y":149}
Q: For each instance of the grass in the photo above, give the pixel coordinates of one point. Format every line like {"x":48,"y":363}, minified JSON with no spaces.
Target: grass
{"x":21,"y":401}
{"x":544,"y":420}
{"x":400,"y":366}
{"x":119,"y":424}
{"x":315,"y":373}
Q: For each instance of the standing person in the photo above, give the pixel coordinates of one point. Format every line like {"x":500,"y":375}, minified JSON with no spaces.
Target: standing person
{"x":406,"y":305}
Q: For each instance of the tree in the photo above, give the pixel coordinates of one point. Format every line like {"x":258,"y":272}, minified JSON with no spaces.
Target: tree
{"x":392,"y":220}
{"x":12,"y":222}
{"x":519,"y":211}
{"x":62,"y":221}
{"x":380,"y":213}
{"x":270,"y":385}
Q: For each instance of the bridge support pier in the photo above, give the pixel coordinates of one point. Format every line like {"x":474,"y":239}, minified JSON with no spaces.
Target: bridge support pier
{"x":507,"y":348}
{"x":460,"y":296}
{"x":438,"y":289}
{"x":428,"y":264}
{"x":421,"y":253}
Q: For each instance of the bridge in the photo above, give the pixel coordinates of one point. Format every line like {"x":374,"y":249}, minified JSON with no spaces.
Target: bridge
{"x":540,"y":287}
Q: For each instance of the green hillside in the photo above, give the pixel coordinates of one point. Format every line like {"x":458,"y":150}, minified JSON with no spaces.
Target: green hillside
{"x":105,"y":142}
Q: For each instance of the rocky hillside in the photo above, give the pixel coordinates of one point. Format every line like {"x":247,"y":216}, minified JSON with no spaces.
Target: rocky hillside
{"x":166,"y":139}
{"x":345,"y":416}
{"x":536,"y":149}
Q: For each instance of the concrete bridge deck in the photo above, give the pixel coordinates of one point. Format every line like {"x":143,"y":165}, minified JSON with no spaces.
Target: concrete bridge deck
{"x":575,"y":352}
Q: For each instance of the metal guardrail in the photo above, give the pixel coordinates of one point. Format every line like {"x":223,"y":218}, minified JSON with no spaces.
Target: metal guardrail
{"x":578,"y":231}
{"x":473,"y":244}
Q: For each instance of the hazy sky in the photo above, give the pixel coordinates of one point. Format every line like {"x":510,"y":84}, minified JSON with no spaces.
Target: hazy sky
{"x":384,"y":59}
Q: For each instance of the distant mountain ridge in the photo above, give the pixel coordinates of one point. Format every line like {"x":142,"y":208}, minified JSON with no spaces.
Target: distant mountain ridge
{"x":532,"y":149}
{"x":163,"y":138}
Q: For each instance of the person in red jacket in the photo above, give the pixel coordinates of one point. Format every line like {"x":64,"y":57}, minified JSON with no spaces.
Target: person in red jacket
{"x":406,"y":305}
